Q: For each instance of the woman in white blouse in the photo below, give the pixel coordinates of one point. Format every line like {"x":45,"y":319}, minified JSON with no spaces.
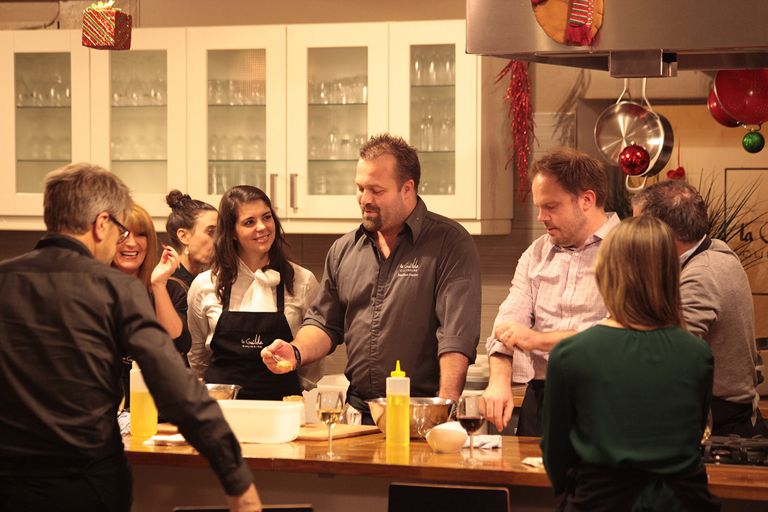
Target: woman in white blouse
{"x":251,"y":296}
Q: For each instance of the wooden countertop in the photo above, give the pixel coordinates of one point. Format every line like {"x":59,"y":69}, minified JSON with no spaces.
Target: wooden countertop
{"x":367,"y":456}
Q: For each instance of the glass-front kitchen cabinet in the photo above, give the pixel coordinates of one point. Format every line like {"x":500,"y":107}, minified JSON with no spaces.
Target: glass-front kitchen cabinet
{"x":139,"y":114}
{"x":337,"y":97}
{"x":237,"y":102}
{"x":62,"y":103}
{"x":44,"y":117}
{"x":284,"y":108}
{"x":449,"y":106}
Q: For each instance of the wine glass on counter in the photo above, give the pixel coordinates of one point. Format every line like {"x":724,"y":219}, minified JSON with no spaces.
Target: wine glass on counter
{"x":329,"y":408}
{"x":471,"y":415}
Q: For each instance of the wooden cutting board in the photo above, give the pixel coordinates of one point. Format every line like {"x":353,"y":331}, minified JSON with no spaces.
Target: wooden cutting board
{"x":309,"y":432}
{"x":319,"y":432}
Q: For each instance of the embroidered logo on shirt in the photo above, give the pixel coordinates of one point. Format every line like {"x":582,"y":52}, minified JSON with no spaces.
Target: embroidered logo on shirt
{"x":408,"y":269}
{"x":252,"y":343}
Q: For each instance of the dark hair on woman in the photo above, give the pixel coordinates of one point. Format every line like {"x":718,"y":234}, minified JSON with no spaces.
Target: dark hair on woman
{"x":225,"y":246}
{"x":184,"y":214}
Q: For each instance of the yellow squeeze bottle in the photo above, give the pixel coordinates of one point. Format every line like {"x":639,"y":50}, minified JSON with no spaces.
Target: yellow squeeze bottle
{"x":398,"y":408}
{"x":143,"y":410}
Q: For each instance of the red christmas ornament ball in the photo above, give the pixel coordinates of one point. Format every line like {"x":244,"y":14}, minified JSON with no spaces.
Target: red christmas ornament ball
{"x":634,"y":160}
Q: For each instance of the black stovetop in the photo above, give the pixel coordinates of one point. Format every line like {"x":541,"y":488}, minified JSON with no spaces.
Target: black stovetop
{"x":735,"y":450}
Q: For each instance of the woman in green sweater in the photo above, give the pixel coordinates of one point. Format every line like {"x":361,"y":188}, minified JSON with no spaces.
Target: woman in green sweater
{"x":626,"y":401}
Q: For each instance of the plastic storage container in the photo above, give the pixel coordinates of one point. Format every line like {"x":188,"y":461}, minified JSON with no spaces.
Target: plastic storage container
{"x":262,"y":421}
{"x":143,"y":410}
{"x":398,"y":427}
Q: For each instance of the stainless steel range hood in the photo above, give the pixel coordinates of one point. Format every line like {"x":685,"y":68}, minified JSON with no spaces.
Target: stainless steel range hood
{"x":651,"y":38}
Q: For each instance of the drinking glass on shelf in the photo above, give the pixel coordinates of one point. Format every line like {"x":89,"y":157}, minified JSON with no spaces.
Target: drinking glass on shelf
{"x":23,"y":93}
{"x":214,"y":147}
{"x":211,"y":92}
{"x":238,"y":148}
{"x":116,"y":147}
{"x":213,"y":179}
{"x":427,"y":133}
{"x":333,"y":144}
{"x":329,"y":407}
{"x":417,"y":68}
{"x":360,"y":89}
{"x":432,"y":68}
{"x":157,"y":91}
{"x":345,"y":147}
{"x":471,"y":415}
{"x":450,"y":68}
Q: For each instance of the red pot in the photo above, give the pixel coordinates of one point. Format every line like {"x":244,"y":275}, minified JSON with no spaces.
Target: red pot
{"x":743,"y":94}
{"x":717,"y":112}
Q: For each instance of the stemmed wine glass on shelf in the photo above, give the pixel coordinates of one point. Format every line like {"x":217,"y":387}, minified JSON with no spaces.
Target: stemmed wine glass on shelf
{"x":329,"y":408}
{"x":471,"y":415}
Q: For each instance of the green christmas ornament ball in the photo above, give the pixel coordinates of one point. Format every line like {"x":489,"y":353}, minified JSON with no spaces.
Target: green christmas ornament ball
{"x":753,"y":142}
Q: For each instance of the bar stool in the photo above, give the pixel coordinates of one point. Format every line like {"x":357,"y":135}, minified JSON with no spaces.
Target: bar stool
{"x":404,"y":497}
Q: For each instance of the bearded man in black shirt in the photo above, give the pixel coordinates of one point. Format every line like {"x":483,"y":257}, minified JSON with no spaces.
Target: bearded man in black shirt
{"x":66,"y":321}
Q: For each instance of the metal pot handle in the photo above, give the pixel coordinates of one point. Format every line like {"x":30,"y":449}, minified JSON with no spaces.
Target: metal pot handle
{"x":634,"y":189}
{"x":625,"y":91}
{"x":645,"y":98}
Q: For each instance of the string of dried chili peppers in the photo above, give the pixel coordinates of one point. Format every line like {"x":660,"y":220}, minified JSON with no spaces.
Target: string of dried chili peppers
{"x":520,"y":114}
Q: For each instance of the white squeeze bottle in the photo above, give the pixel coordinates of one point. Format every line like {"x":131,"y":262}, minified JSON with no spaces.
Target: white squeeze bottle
{"x":398,"y":408}
{"x":143,"y":410}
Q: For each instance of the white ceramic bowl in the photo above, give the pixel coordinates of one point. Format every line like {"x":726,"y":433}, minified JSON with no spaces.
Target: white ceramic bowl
{"x":263,"y":421}
{"x":447,"y":437}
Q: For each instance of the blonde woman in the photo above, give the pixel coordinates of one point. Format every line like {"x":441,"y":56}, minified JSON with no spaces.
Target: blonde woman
{"x":626,"y":401}
{"x":137,"y":255}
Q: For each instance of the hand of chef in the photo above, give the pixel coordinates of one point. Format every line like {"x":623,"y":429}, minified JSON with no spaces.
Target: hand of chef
{"x":278,"y":357}
{"x":169,"y":262}
{"x":249,"y":501}
{"x":498,"y":403}
{"x":513,"y":334}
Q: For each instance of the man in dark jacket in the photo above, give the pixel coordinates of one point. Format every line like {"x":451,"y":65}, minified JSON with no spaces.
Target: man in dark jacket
{"x":66,"y":321}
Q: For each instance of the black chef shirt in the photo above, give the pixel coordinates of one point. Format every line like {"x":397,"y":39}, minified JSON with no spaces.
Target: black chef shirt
{"x":66,"y":321}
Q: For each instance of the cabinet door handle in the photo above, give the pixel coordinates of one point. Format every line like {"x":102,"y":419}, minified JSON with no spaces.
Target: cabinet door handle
{"x":273,"y":188}
{"x":293,"y":181}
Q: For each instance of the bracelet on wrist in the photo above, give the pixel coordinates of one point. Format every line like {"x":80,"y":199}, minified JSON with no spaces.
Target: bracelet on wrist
{"x":297,"y":356}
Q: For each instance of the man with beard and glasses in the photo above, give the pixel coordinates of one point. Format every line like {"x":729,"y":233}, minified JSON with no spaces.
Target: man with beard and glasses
{"x":403,"y":286}
{"x":553,"y":294}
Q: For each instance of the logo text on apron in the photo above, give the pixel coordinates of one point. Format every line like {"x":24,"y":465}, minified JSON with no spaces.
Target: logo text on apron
{"x":252,"y":343}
